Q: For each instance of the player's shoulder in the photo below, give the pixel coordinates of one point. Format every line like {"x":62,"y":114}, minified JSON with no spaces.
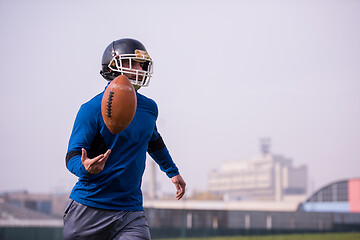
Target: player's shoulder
{"x":142,"y":99}
{"x":93,"y":105}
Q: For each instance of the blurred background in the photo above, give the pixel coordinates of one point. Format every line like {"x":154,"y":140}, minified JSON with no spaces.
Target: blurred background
{"x":239,"y":84}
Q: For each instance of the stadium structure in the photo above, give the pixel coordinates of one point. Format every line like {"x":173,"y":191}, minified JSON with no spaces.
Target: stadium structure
{"x":340,"y":196}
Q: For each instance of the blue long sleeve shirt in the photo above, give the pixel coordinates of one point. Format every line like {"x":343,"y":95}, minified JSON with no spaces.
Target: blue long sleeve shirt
{"x":118,"y":186}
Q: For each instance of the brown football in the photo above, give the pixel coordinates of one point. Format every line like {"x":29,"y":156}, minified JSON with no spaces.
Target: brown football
{"x":118,"y":104}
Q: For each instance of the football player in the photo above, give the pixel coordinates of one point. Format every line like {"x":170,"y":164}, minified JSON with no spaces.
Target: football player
{"x":106,"y":201}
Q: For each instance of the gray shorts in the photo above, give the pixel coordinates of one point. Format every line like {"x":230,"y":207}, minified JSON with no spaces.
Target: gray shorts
{"x":83,"y":222}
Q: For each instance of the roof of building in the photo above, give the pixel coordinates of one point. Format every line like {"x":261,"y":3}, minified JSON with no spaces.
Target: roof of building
{"x":11,"y":215}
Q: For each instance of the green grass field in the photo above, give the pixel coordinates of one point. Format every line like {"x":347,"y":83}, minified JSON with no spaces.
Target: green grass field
{"x":315,"y":236}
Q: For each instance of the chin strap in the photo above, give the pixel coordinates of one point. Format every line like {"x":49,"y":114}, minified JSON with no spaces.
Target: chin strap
{"x":109,"y":75}
{"x":136,"y":87}
{"x":106,"y":75}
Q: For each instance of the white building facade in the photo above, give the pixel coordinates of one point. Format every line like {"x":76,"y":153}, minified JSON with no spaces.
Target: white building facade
{"x":266,"y":177}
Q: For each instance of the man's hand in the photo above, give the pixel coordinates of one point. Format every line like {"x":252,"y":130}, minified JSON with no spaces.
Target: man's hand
{"x":180,"y":186}
{"x":96,"y":164}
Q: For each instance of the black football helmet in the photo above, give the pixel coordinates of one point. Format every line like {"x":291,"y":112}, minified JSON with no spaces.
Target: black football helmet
{"x":130,"y":50}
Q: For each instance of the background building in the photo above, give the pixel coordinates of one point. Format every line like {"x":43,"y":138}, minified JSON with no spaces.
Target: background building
{"x":45,"y":203}
{"x":265,"y":177}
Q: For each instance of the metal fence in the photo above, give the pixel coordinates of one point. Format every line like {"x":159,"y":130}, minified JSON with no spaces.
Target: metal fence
{"x":195,"y":223}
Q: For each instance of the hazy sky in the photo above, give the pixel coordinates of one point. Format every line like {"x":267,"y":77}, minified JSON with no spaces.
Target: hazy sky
{"x":226,"y":73}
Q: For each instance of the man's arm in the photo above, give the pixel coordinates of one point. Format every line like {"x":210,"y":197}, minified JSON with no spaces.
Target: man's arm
{"x":84,"y":132}
{"x":159,"y":152}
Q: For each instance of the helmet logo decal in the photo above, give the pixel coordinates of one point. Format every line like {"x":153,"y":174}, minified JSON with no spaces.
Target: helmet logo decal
{"x":142,"y":54}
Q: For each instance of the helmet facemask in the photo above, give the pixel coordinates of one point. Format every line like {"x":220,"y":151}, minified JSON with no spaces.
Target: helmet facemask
{"x":139,"y":78}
